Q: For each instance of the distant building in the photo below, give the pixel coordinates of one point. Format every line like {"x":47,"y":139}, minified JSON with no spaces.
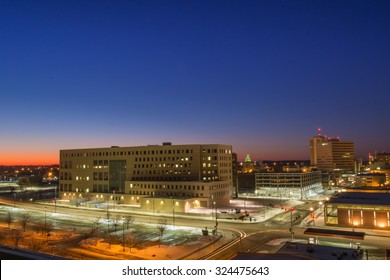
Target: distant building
{"x":369,"y":210}
{"x":370,"y":180}
{"x":149,"y":176}
{"x":332,"y":155}
{"x":383,"y":158}
{"x":287,"y":184}
{"x":248,"y":166}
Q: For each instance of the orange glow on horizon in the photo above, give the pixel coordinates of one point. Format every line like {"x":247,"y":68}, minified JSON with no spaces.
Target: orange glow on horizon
{"x":29,"y":159}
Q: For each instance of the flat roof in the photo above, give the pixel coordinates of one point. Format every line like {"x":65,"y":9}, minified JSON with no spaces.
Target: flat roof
{"x":335,"y":233}
{"x":365,"y":198}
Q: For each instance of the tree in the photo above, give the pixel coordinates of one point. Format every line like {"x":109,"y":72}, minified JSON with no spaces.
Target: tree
{"x":111,"y":238}
{"x":108,"y":219}
{"x":10,"y":219}
{"x":16,"y":237}
{"x":96,"y":222}
{"x":24,"y":220}
{"x":133,"y":240}
{"x":36,"y":245}
{"x":115,"y":222}
{"x":39,"y":227}
{"x":128,"y":220}
{"x":161,"y":227}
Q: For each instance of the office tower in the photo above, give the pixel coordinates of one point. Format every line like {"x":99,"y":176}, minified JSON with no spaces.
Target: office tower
{"x":192,"y":175}
{"x":332,"y":155}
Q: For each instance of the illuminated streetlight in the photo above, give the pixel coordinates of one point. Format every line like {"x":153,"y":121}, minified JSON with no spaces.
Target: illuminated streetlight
{"x":312,"y":215}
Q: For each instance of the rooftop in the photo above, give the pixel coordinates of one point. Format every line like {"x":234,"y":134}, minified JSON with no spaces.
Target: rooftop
{"x":366,"y":198}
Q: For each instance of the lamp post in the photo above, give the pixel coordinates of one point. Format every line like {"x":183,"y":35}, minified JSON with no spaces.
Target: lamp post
{"x":45,"y":221}
{"x":108,"y":217}
{"x":123,"y":233}
{"x":216,"y":218}
{"x":323,"y":209}
{"x":113,"y":197}
{"x":291,"y":223}
{"x":153,"y":203}
{"x":55,"y":199}
{"x":312,"y":216}
{"x":173,"y":211}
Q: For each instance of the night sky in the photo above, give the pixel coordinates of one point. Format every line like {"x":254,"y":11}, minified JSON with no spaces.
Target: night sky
{"x":259,"y":75}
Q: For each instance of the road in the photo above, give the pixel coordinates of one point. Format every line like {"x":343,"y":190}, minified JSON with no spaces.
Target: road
{"x":251,"y":237}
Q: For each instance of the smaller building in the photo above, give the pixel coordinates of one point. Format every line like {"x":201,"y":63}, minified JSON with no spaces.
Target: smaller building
{"x":287,"y":184}
{"x":370,"y":180}
{"x":369,"y":210}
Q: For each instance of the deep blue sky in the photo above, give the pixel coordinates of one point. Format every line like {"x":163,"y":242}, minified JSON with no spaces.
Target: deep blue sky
{"x":259,"y":75}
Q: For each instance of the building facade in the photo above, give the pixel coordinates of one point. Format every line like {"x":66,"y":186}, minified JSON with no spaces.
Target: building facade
{"x":193,"y":175}
{"x":287,"y":184}
{"x":358,"y":210}
{"x":370,"y":180}
{"x":332,"y":155}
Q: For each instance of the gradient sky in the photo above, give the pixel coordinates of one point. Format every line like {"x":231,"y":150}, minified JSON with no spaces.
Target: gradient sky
{"x":259,"y":75}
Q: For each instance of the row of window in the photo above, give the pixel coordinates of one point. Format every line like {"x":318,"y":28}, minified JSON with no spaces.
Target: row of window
{"x":163,"y":165}
{"x":128,"y":153}
{"x":162,"y":172}
{"x":164,"y":179}
{"x":143,"y":159}
{"x":100,"y":176}
{"x":66,"y":188}
{"x":167,"y":187}
{"x":177,"y":187}
{"x":102,"y":188}
{"x":66,"y":176}
{"x":165,"y":194}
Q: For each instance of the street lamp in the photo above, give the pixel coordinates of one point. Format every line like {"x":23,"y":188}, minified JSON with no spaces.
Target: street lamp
{"x":55,"y":199}
{"x":216,"y":218}
{"x":45,"y":222}
{"x":153,"y":203}
{"x":173,"y":211}
{"x":291,"y":223}
{"x":312,"y":216}
{"x":123,"y":233}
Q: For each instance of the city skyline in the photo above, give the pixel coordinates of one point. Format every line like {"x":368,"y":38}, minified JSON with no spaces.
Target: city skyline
{"x":261,"y":76}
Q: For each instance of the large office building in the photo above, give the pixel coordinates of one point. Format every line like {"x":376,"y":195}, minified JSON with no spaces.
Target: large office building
{"x":287,"y":184}
{"x":329,"y":154}
{"x":155,"y":176}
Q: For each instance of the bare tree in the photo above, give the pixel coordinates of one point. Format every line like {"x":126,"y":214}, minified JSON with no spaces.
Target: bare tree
{"x":111,"y":238}
{"x":161,"y":227}
{"x":49,"y":228}
{"x":36,"y":245}
{"x":108,"y":219}
{"x":24,"y":220}
{"x":116,"y":221}
{"x":128,"y":220}
{"x":10,"y":219}
{"x":96,"y":222}
{"x":39,"y":227}
{"x":16,"y":237}
{"x":133,"y":240}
